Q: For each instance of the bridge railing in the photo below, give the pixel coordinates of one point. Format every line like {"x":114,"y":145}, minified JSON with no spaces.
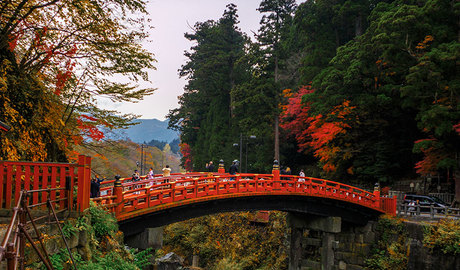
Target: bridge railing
{"x":16,"y":176}
{"x":180,"y":188}
{"x":107,"y":189}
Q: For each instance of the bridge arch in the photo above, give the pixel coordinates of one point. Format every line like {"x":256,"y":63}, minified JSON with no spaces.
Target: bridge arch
{"x":161,"y":201}
{"x":316,"y":206}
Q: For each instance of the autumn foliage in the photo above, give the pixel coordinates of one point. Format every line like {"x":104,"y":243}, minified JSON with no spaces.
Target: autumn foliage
{"x":186,"y":156}
{"x":316,"y":133}
{"x":230,"y":240}
{"x":57,"y":58}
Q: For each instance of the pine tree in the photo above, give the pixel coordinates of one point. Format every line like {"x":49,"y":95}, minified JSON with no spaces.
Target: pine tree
{"x":204,"y":117}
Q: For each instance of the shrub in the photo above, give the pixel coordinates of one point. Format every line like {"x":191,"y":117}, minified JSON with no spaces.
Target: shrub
{"x":390,"y":252}
{"x":103,"y":222}
{"x":444,"y":236}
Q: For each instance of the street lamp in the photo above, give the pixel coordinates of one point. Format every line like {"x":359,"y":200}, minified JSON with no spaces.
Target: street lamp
{"x":241,"y":149}
{"x":143,"y":158}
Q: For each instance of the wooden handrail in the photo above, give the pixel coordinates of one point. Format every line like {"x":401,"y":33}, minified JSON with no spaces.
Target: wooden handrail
{"x":187,"y":188}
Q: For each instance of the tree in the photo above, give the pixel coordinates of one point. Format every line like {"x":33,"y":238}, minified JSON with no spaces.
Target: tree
{"x":274,"y":25}
{"x":395,"y":79}
{"x":204,"y":115}
{"x":67,"y":51}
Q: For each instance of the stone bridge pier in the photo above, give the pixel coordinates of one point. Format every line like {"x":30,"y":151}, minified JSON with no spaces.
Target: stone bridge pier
{"x":328,"y":243}
{"x":149,"y":238}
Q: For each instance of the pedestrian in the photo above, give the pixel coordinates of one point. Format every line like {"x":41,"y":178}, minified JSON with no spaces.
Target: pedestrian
{"x":150,"y":176}
{"x":301,"y":178}
{"x":411,"y":208}
{"x":302,"y":175}
{"x":95,"y":188}
{"x":136,"y":177}
{"x":210,"y":166}
{"x":288,"y":171}
{"x":283,"y":170}
{"x":166,"y":171}
{"x":233,"y":169}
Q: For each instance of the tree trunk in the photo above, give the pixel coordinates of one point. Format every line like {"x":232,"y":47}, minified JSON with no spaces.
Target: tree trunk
{"x":358,"y":26}
{"x":277,"y":141}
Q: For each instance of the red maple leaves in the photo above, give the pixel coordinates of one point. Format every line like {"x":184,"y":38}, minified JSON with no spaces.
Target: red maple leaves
{"x":186,"y":156}
{"x":316,"y":133}
{"x":89,"y":127}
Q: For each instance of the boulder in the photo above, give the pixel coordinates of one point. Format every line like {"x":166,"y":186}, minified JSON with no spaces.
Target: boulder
{"x":170,"y":261}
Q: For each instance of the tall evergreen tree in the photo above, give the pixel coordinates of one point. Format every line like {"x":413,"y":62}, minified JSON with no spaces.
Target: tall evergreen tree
{"x":391,"y":75}
{"x":275,"y":24}
{"x":204,"y":117}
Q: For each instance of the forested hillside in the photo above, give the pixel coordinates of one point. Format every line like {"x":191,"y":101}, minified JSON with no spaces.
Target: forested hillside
{"x":121,"y":157}
{"x":360,"y":90}
{"x":146,"y":130}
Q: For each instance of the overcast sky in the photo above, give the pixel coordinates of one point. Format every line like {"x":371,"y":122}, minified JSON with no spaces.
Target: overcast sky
{"x":171,"y":19}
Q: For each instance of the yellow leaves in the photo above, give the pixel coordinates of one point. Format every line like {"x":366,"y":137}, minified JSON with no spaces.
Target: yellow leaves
{"x":425,"y":43}
{"x":231,"y":237}
{"x":8,"y":149}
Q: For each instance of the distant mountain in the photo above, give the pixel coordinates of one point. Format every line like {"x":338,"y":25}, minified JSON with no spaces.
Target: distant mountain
{"x":147,"y":130}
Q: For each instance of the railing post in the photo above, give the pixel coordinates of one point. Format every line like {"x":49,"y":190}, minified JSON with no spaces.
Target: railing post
{"x":173,"y":191}
{"x":217,"y":181}
{"x":10,"y":257}
{"x":84,"y":182}
{"x":395,"y":204}
{"x":2,"y":172}
{"x":276,"y":175}
{"x":377,"y":195}
{"x":87,"y":182}
{"x":118,"y":193}
{"x":221,"y":168}
{"x":81,"y":182}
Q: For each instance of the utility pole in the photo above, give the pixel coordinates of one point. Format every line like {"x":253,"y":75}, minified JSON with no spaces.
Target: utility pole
{"x":143,"y":158}
{"x":241,"y":152}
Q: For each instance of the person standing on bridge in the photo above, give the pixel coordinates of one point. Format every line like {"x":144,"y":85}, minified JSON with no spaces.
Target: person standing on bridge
{"x":210,"y":167}
{"x":166,"y":173}
{"x":301,"y":178}
{"x":233,"y":169}
{"x":150,"y":176}
{"x":136,"y":177}
{"x":95,"y":188}
{"x":302,"y":175}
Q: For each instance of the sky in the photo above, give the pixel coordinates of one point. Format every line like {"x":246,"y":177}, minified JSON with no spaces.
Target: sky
{"x":171,"y":19}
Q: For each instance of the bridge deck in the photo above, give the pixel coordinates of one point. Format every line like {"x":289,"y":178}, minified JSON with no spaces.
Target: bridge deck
{"x":147,"y":196}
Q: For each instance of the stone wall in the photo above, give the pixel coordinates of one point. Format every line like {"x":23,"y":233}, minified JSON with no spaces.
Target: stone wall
{"x":320,"y":243}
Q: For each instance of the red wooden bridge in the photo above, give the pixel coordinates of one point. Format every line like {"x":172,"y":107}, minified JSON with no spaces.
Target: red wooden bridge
{"x":128,"y":199}
{"x":133,"y":199}
{"x":162,"y":200}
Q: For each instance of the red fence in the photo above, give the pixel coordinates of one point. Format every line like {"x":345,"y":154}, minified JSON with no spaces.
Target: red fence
{"x":17,"y":175}
{"x":130,"y":199}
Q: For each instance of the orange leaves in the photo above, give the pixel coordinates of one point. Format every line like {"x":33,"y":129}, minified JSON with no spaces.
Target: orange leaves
{"x":317,"y":132}
{"x":432,"y":156}
{"x":425,"y":43}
